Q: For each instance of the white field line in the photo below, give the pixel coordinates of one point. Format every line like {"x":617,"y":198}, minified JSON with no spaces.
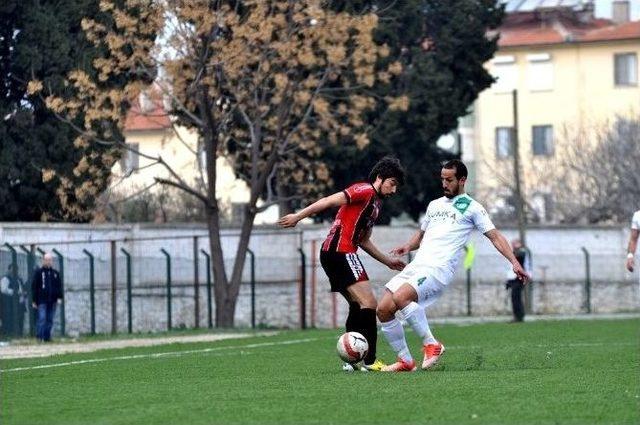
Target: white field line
{"x":570,"y":345}
{"x":163,"y":354}
{"x":272,"y":344}
{"x":45,"y":350}
{"x":588,"y":344}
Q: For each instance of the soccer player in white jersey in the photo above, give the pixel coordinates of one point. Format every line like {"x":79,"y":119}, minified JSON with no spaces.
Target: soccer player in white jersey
{"x":633,"y":240}
{"x":442,"y":236}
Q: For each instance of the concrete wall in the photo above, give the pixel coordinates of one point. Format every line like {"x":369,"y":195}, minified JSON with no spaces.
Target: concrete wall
{"x":559,"y":273}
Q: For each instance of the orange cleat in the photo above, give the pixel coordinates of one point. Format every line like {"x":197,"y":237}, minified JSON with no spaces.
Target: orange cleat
{"x":400,"y":366}
{"x":432,"y":353}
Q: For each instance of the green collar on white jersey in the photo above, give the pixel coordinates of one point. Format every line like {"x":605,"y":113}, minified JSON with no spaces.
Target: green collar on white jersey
{"x":461,"y":202}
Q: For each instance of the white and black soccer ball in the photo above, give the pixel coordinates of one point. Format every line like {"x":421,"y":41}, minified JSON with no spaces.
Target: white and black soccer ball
{"x":352,"y":347}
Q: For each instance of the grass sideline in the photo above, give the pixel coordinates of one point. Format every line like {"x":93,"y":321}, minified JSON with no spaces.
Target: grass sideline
{"x":105,"y":336}
{"x":553,"y":372}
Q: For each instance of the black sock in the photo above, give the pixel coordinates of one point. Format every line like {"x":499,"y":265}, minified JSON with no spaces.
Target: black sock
{"x":369,"y":328}
{"x":353,"y":319}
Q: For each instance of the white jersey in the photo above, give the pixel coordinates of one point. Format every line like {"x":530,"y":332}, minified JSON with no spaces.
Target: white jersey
{"x":635,"y":221}
{"x":447,"y":225}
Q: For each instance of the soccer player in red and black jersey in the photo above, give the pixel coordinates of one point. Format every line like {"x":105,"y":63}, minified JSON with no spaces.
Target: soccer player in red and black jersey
{"x":359,"y":207}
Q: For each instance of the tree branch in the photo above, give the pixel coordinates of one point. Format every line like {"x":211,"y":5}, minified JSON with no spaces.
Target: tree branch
{"x":185,"y":188}
{"x":133,"y":195}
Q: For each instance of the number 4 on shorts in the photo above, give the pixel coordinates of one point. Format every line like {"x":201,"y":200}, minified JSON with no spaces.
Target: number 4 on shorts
{"x":421,"y":280}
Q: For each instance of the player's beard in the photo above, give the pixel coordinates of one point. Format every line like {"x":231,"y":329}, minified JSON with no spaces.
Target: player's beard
{"x":453,"y":193}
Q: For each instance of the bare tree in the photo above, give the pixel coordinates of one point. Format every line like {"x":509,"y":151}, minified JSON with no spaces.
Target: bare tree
{"x":256,"y":80}
{"x":597,"y":178}
{"x":591,"y":177}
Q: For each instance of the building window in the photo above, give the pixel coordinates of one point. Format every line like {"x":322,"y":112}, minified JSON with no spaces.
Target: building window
{"x":505,"y":73}
{"x":504,"y":142}
{"x":540,"y":72}
{"x":130,"y":160}
{"x":542,"y":140}
{"x":625,"y":69}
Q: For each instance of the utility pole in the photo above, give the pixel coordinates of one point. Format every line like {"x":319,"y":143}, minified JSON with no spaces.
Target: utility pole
{"x":520,"y":214}
{"x":522,"y":218}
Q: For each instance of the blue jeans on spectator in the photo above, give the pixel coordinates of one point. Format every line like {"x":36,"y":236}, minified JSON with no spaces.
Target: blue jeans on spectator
{"x":46,"y":311}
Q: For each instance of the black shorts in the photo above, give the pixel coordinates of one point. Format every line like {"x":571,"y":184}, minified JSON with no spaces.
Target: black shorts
{"x":343,"y":269}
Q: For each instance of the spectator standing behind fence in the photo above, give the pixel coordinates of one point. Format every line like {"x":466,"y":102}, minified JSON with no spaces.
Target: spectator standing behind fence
{"x":46,"y":290}
{"x":516,"y":284}
{"x":633,"y":240}
{"x":14,"y":302}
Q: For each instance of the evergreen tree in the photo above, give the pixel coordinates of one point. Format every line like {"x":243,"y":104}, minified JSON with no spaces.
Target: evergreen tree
{"x":43,"y":40}
{"x":442,"y":45}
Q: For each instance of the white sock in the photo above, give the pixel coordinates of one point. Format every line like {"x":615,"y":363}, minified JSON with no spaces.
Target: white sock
{"x":417,"y":318}
{"x":394,"y":334}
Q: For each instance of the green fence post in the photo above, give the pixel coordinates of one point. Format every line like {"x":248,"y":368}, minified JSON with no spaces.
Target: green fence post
{"x":469,"y":258}
{"x":529,"y":286}
{"x":196,"y":283}
{"x":15,"y":297}
{"x":469,"y":291}
{"x":34,"y":318}
{"x":92,"y":291}
{"x":587,"y":283}
{"x":114,"y":285}
{"x":41,"y":252}
{"x":208,"y":261}
{"x":129,"y":320}
{"x":62,"y":315}
{"x":253,"y":288}
{"x":303,"y":289}
{"x":168,"y":287}
{"x":30,"y":268}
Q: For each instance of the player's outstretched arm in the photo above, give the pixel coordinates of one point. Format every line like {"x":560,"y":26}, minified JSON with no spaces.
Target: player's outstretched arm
{"x":631,"y":249}
{"x":502,"y":245}
{"x":372,"y":250}
{"x":335,"y":200}
{"x":411,"y":245}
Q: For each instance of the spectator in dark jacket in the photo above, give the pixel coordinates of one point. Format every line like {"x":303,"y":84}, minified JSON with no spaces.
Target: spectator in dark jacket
{"x":46,"y":290}
{"x":513,"y":283}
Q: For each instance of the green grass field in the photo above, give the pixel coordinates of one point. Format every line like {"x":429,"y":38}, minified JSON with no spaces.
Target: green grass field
{"x":554,"y":372}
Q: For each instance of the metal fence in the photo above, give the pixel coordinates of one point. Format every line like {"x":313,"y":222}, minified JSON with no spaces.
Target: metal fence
{"x":161,"y":283}
{"x":581,"y":282}
{"x":145,"y":289}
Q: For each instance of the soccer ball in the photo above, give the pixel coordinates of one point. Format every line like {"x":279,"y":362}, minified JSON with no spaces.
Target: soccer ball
{"x":352,"y":347}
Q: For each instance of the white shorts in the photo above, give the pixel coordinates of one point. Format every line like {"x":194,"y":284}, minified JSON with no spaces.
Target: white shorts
{"x":422,"y":279}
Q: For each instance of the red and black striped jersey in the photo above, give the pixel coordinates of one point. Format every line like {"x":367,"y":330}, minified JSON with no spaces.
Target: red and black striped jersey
{"x":354,"y":220}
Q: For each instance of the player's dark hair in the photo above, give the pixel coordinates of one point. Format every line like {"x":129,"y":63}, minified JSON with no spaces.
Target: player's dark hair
{"x":387,"y":168}
{"x":461,"y":169}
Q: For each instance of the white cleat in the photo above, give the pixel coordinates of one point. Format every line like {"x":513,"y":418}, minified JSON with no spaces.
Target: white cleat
{"x":348,"y":367}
